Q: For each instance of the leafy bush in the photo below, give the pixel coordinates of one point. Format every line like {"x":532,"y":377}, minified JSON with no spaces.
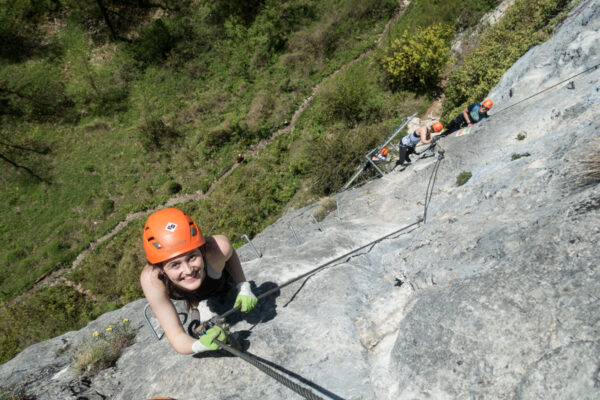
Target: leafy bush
{"x":460,"y":14}
{"x":463,"y":178}
{"x":107,"y":206}
{"x":96,"y":81}
{"x":524,"y":25}
{"x":334,"y":157}
{"x":156,"y":135}
{"x":417,"y":60}
{"x":104,"y":349}
{"x":154,"y":44}
{"x":174,"y":187}
{"x":20,"y":35}
{"x":350,"y":98}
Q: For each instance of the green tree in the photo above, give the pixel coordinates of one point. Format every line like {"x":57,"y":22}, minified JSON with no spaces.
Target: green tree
{"x":417,"y":60}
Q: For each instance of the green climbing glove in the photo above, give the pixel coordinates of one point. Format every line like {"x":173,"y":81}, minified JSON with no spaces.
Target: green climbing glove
{"x":206,"y":343}
{"x":245,"y":298}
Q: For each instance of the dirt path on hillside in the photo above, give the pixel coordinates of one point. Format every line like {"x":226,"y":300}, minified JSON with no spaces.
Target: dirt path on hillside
{"x":57,"y":277}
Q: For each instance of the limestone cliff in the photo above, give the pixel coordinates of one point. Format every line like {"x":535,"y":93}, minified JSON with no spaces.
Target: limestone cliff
{"x":494,"y":296}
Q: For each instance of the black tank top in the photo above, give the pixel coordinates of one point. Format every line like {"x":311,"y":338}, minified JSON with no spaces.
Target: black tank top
{"x":212,"y":286}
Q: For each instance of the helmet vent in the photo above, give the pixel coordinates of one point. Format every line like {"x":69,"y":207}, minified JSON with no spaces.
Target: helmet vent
{"x":154,"y":243}
{"x":194,"y":231}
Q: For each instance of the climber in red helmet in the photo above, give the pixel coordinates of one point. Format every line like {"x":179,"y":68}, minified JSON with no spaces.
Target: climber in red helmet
{"x":381,"y":156}
{"x":184,"y":265}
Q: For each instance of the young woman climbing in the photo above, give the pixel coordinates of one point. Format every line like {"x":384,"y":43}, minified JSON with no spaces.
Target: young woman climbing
{"x":184,"y":265}
{"x":407,"y":145}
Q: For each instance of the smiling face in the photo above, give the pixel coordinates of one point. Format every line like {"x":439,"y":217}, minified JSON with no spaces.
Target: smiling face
{"x":187,"y":270}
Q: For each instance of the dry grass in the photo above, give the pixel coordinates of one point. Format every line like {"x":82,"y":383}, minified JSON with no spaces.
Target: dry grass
{"x":104,"y":349}
{"x":7,"y":394}
{"x":590,"y":161}
{"x":327,"y":205}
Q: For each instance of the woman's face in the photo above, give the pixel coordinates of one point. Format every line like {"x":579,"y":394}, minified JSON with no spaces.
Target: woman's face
{"x":187,"y":270}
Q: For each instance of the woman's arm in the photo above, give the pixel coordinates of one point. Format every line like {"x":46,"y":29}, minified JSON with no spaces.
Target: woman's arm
{"x":228,"y":258}
{"x":156,"y":294}
{"x":245,"y":300}
{"x":425,"y":135}
{"x":466,"y":116}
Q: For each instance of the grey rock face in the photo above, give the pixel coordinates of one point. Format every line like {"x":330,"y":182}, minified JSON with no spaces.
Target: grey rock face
{"x":495,"y":296}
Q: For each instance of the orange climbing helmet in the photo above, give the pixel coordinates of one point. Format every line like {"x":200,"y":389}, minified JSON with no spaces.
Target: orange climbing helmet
{"x":437,"y":126}
{"x":384,"y":152}
{"x":488,"y":104}
{"x":170,"y":233}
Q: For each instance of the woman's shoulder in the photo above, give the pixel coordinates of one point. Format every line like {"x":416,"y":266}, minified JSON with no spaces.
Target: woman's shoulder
{"x":218,"y":247}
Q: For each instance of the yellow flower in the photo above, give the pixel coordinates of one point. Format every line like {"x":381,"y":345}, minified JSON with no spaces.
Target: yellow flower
{"x":109,"y":328}
{"x":125,"y":320}
{"x":95,"y":333}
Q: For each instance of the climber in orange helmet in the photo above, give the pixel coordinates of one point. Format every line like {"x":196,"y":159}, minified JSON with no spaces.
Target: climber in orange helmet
{"x":184,"y":265}
{"x":381,"y":156}
{"x":472,"y":114}
{"x":408,"y":143}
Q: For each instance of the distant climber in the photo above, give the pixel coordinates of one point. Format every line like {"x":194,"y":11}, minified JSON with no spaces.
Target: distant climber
{"x":408,"y":143}
{"x":473,"y":114}
{"x":381,"y":156}
{"x":240,"y":158}
{"x":184,"y":265}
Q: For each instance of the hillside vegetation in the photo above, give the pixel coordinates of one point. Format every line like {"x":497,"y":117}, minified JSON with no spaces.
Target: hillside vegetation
{"x":112,"y":107}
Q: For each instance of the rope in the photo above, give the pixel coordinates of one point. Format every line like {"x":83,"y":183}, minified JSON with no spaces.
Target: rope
{"x":542,"y":91}
{"x":431,"y":183}
{"x":312,"y":271}
{"x":302,"y":391}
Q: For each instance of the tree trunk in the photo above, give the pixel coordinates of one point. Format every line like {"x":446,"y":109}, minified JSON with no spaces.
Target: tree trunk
{"x":107,"y":19}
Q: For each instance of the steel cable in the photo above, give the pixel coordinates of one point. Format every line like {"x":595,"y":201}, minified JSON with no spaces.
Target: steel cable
{"x":542,"y":91}
{"x":301,"y":390}
{"x":431,"y":183}
{"x":312,"y":271}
